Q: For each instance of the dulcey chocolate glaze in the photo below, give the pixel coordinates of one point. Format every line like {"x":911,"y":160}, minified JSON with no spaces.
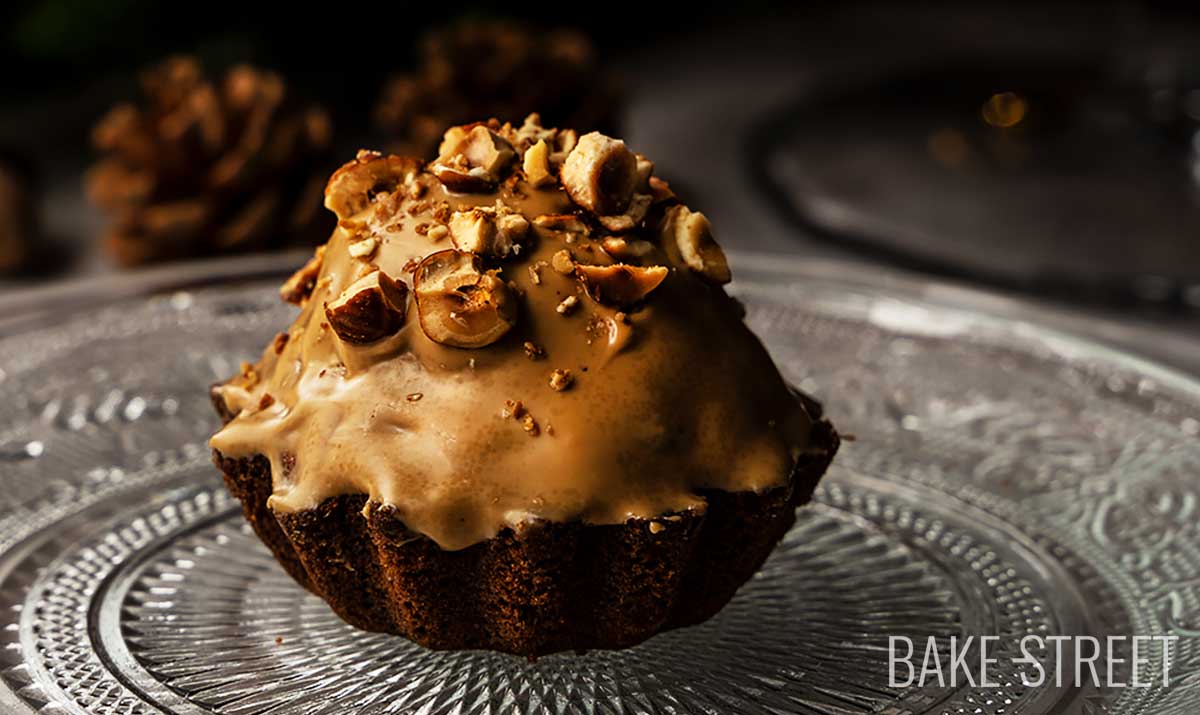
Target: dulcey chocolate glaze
{"x":598,"y":409}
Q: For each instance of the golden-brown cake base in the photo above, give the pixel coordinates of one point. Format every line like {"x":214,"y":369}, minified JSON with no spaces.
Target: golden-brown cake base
{"x":539,"y":589}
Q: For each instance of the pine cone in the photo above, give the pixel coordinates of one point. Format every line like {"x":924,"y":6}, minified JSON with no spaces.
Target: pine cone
{"x":206,"y":168}
{"x":496,"y":69}
{"x":16,"y":216}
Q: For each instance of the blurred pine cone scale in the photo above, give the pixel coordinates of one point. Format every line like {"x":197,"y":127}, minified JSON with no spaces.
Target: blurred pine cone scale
{"x":203,"y":168}
{"x":505,"y":70}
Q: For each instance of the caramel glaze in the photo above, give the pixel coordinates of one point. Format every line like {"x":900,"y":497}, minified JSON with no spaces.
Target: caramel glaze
{"x":670,"y":398}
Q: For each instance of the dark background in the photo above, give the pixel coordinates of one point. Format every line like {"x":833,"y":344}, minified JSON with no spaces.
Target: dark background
{"x":791,"y":124}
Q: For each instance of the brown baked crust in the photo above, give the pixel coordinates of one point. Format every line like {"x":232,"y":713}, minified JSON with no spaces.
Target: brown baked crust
{"x":536,"y":590}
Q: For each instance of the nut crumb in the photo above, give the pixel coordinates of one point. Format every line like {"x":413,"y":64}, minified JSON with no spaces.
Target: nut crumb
{"x":266,"y":401}
{"x":549,"y":429}
{"x":562,"y":262}
{"x":534,"y":351}
{"x":517,"y":411}
{"x":414,"y":397}
{"x":561,"y":379}
{"x":535,"y":274}
{"x":278,"y":640}
{"x":567,"y":306}
{"x":438,"y":232}
{"x":364,"y":248}
{"x":422,"y":228}
{"x":529,"y":424}
{"x":511,"y":408}
{"x":281,"y":340}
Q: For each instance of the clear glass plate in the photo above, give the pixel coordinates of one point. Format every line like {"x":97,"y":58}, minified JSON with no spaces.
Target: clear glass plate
{"x":1004,"y":480}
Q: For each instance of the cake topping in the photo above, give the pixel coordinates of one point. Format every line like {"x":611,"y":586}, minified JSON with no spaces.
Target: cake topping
{"x":370,"y":309}
{"x":600,"y":174}
{"x":479,"y":281}
{"x":620,"y":284}
{"x":300,"y":286}
{"x":459,"y":303}
{"x":692,"y":236}
{"x":471,"y":160}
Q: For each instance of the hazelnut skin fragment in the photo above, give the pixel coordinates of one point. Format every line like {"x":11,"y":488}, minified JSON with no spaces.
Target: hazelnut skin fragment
{"x":300,"y":285}
{"x":620,"y":284}
{"x":458,"y":303}
{"x":370,"y":309}
{"x":352,"y":186}
{"x":692,"y":235}
{"x":600,"y":174}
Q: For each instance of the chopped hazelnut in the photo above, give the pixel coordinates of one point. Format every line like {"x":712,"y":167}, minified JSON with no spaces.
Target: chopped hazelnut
{"x":472,"y":160}
{"x":600,"y":174}
{"x":561,"y":222}
{"x":533,"y":351}
{"x":529,"y":424}
{"x":530,"y":132}
{"x":623,"y":249}
{"x":537,"y":165}
{"x":300,"y":286}
{"x":565,"y":142}
{"x":692,"y":235}
{"x":517,"y":411}
{"x":561,"y":379}
{"x":459,"y":304}
{"x":370,"y":309}
{"x":511,"y":230}
{"x":414,"y":396}
{"x":660,"y":190}
{"x":438,"y":232}
{"x":281,"y":341}
{"x":567,"y":306}
{"x":353,"y":186}
{"x":473,"y":230}
{"x":535,"y":274}
{"x":645,"y":168}
{"x":562,"y":262}
{"x":638,"y":206}
{"x":511,"y":408}
{"x":266,"y":401}
{"x":364,"y":248}
{"x":620,"y":284}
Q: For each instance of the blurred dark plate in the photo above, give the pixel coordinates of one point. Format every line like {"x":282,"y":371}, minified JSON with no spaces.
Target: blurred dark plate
{"x":1086,"y":194}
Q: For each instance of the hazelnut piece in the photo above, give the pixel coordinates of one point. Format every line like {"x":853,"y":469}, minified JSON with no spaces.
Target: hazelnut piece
{"x":537,"y":165}
{"x":511,"y":229}
{"x":692,"y":234}
{"x":620,"y":284}
{"x":458,"y":303}
{"x":352,"y":187}
{"x":472,"y":160}
{"x":478,"y":230}
{"x":300,"y":286}
{"x":473,"y":230}
{"x":560,"y":222}
{"x":638,"y":206}
{"x":600,"y":174}
{"x":370,"y":309}
{"x":624,"y":249}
